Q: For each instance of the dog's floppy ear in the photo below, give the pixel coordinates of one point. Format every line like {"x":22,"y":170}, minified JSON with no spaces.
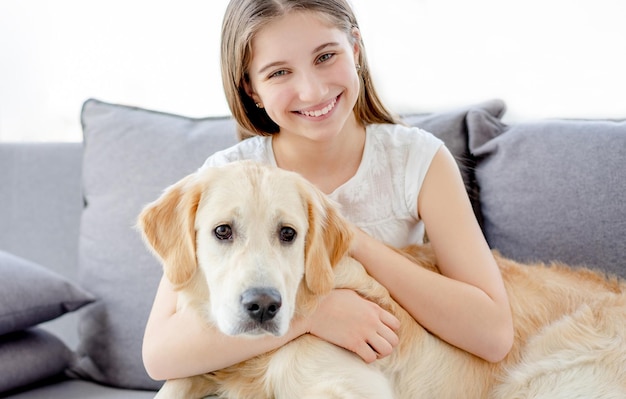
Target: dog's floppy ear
{"x":327,"y":241}
{"x":167,"y":225}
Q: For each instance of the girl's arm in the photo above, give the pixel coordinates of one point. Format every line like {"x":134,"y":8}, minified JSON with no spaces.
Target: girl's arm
{"x":467,"y":304}
{"x":182,"y":344}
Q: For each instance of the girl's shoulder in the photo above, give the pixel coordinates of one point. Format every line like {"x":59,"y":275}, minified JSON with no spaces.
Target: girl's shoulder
{"x":255,"y":148}
{"x":402,"y":135}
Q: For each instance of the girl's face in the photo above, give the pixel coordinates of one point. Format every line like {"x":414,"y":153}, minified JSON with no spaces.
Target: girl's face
{"x":303,"y":72}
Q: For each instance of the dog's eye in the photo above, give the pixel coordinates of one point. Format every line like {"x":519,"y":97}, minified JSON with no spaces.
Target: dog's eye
{"x":223,"y":232}
{"x":287,"y":234}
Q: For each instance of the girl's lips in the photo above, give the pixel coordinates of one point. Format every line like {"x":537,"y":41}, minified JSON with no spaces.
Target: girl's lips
{"x":320,"y":112}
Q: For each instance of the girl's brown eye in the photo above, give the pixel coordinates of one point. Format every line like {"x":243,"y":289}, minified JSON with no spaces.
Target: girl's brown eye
{"x":223,"y":232}
{"x":276,"y":74}
{"x":325,"y":57}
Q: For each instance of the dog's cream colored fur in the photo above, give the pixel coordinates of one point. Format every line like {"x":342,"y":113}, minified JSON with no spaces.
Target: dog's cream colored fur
{"x":570,"y":324}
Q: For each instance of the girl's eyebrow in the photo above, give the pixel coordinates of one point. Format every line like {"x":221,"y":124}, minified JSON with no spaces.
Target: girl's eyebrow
{"x":323,"y":46}
{"x":278,"y":63}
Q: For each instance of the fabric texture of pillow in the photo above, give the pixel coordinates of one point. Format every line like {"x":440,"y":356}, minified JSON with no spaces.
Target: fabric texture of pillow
{"x":131,"y":155}
{"x":553,"y":190}
{"x":31,"y":294}
{"x":30,"y":356}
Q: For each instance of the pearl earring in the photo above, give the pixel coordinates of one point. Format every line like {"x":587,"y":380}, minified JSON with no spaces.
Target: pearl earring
{"x":258,"y":105}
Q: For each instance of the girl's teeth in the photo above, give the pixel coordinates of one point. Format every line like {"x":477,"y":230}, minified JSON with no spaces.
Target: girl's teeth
{"x":322,"y":111}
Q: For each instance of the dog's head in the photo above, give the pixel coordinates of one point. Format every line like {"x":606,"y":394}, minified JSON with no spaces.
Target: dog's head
{"x":263,"y":240}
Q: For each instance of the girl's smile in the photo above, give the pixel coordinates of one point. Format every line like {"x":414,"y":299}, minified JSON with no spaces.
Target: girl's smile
{"x":317,"y":113}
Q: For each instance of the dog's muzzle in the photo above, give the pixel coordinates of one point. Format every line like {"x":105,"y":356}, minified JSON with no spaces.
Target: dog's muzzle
{"x":261,"y":304}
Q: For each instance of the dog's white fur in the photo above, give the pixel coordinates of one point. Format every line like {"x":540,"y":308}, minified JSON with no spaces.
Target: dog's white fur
{"x":570,"y":324}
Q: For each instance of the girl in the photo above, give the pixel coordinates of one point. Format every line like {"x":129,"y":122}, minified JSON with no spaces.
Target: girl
{"x":296,"y":76}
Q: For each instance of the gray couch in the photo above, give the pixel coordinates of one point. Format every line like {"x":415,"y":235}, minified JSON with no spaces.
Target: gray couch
{"x":76,"y":282}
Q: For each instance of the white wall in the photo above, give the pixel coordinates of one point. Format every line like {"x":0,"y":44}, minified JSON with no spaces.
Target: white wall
{"x":545,"y":58}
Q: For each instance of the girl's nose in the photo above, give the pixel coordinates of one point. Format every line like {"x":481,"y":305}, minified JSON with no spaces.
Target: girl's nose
{"x":311,"y":88}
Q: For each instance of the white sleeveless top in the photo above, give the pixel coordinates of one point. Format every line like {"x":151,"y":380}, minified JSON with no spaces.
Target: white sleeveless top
{"x":381,"y":198}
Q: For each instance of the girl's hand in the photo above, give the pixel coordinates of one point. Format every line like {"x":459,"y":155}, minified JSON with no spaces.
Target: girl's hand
{"x":346,"y":319}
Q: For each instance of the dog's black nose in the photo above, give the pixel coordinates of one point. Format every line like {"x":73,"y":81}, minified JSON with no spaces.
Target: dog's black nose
{"x":261,"y":304}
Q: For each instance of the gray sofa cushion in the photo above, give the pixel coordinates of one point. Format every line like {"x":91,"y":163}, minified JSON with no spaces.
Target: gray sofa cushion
{"x":30,"y":356}
{"x":40,"y":202}
{"x":31,"y":294}
{"x":130,"y":156}
{"x":79,"y":389}
{"x":553,"y":190}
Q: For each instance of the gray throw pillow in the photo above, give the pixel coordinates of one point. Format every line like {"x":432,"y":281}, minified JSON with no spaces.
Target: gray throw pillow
{"x":553,"y":190}
{"x":31,"y":294}
{"x":30,"y":356}
{"x":131,"y":155}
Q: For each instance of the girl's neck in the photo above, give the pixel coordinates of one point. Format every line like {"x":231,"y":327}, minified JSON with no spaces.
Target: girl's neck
{"x":326,"y":164}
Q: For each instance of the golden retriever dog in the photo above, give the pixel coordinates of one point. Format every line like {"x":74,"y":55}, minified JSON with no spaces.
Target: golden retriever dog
{"x":249,"y":247}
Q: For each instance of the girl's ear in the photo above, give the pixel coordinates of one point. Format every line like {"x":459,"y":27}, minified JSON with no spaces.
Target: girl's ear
{"x":247,"y":86}
{"x":168,"y":227}
{"x":356,"y":47}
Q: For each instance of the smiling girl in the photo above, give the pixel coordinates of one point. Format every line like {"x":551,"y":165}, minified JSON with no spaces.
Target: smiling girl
{"x":296,"y":76}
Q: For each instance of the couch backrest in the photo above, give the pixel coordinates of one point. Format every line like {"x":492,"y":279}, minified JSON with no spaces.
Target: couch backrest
{"x":41,"y":203}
